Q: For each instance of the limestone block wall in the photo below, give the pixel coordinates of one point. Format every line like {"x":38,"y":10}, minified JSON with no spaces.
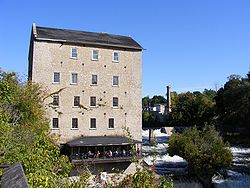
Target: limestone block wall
{"x":53,"y":57}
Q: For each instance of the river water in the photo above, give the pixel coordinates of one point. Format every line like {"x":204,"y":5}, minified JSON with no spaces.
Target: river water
{"x":237,"y":176}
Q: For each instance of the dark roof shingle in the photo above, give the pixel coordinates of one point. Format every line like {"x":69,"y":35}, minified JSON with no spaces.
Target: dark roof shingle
{"x":101,"y":141}
{"x":14,"y":177}
{"x":83,"y":37}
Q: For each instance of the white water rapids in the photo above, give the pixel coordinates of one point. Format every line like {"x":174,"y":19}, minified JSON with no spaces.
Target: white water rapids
{"x":238,"y":176}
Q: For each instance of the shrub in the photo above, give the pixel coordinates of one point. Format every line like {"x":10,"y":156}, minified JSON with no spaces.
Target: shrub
{"x":204,"y":150}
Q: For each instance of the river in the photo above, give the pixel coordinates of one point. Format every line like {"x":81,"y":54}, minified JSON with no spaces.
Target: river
{"x":237,"y":176}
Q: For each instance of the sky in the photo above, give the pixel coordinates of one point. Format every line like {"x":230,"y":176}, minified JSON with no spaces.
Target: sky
{"x":189,"y":45}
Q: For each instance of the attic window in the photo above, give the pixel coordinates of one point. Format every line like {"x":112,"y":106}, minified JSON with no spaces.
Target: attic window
{"x":74,"y":53}
{"x":115,"y":57}
{"x":95,"y":55}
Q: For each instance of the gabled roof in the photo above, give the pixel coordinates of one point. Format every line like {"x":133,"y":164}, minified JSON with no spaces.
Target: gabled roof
{"x":83,"y":37}
{"x":101,"y":141}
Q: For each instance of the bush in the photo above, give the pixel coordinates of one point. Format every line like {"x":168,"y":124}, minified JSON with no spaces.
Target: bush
{"x":204,"y":150}
{"x":25,"y":135}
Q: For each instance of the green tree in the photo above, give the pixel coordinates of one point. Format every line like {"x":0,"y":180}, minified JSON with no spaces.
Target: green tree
{"x":24,"y":133}
{"x":158,"y":99}
{"x":211,"y":94}
{"x":146,"y":101}
{"x":233,"y":104}
{"x":191,"y":109}
{"x":204,"y":150}
{"x":148,"y":119}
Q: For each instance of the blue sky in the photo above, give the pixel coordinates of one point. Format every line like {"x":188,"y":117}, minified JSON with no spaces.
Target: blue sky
{"x":190,"y":44}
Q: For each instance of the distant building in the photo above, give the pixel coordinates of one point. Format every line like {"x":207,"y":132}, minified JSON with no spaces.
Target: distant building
{"x":161,"y":108}
{"x":95,"y":82}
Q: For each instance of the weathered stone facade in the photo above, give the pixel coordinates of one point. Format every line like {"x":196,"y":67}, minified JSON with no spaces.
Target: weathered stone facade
{"x":47,"y":57}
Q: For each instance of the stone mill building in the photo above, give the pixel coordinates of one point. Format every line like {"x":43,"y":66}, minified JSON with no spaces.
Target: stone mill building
{"x":94,"y":82}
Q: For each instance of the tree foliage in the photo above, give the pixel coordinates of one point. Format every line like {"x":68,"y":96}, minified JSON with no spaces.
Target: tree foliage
{"x":150,"y":102}
{"x":191,"y":109}
{"x":204,"y":150}
{"x":148,"y":118}
{"x":24,"y":133}
{"x":233,"y":104}
{"x":144,"y":179}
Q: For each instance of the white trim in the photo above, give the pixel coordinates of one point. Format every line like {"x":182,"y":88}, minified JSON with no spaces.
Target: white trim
{"x":90,"y":123}
{"x":54,"y":128}
{"x":90,"y":102}
{"x":93,"y":74}
{"x":71,"y":83}
{"x":113,"y":81}
{"x":98,"y":55}
{"x":108,"y":123}
{"x":72,"y":123}
{"x":113,"y":102}
{"x":53,"y":75}
{"x":71,"y":57}
{"x":113,"y":59}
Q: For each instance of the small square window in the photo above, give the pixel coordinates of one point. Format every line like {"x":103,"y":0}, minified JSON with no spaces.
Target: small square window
{"x":76,"y":100}
{"x":94,"y":79}
{"x":74,"y":123}
{"x":55,"y":101}
{"x":55,"y":123}
{"x":111,"y":123}
{"x":56,"y":77}
{"x":74,"y":78}
{"x":74,"y":53}
{"x":115,"y":80}
{"x":115,"y":101}
{"x":116,"y":57}
{"x":92,"y":101}
{"x":95,"y":54}
{"x":92,"y":123}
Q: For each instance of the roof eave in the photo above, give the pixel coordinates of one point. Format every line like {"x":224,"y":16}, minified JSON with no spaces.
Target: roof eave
{"x":88,"y":43}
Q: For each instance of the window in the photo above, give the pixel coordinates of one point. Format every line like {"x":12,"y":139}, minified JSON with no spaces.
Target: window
{"x":73,"y":78}
{"x":94,"y":79}
{"x":74,"y":53}
{"x":115,"y":80}
{"x":56,"y":78}
{"x":92,"y":123}
{"x":55,"y":101}
{"x":76,"y":100}
{"x":55,"y":123}
{"x":111,"y":123}
{"x":95,"y":54}
{"x":116,"y":57}
{"x":92,"y":101}
{"x":115,"y":101}
{"x":74,"y":123}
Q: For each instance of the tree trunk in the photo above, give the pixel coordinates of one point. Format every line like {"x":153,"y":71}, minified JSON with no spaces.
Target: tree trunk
{"x":206,"y":181}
